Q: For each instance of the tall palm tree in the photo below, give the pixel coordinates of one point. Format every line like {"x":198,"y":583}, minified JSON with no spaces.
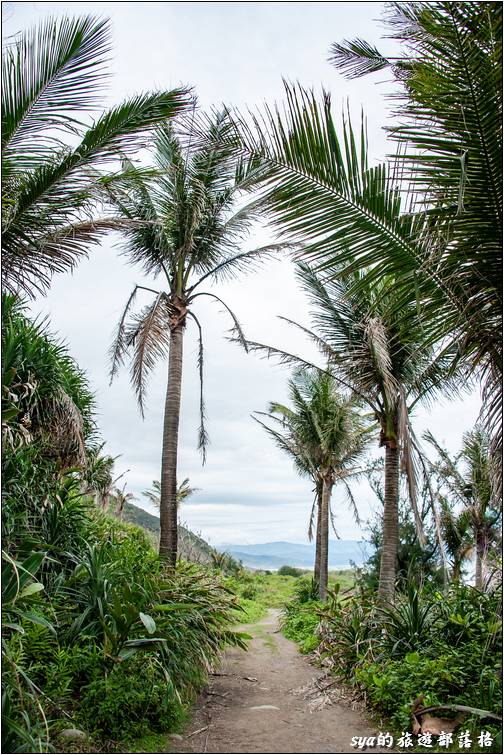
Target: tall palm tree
{"x":184,"y":229}
{"x":370,"y":354}
{"x":325,"y":436}
{"x":467,"y":481}
{"x":51,"y":159}
{"x":431,"y":219}
{"x":448,"y":97}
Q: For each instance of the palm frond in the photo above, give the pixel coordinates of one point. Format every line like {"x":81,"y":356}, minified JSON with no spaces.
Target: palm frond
{"x":149,"y":337}
{"x":49,"y":73}
{"x":357,"y":58}
{"x":119,"y":345}
{"x":61,"y":192}
{"x":203,"y":439}
{"x":237,"y":328}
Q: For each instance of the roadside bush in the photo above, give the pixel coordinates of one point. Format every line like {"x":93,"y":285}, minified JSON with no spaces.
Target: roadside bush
{"x":299,"y":623}
{"x":290,"y":571}
{"x":445,"y":647}
{"x":306,"y":590}
{"x":134,"y":698}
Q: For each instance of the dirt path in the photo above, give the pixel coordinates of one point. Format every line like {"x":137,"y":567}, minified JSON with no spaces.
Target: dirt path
{"x":258,"y":703}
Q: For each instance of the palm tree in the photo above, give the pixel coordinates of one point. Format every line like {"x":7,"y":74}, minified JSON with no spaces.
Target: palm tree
{"x":326,"y":436}
{"x":456,"y":533}
{"x":467,"y":480}
{"x":370,"y":354}
{"x":51,"y":160}
{"x":184,"y":491}
{"x":450,"y":132}
{"x":184,"y":230}
{"x":120,"y":497}
{"x":430,"y":220}
{"x":97,"y":475}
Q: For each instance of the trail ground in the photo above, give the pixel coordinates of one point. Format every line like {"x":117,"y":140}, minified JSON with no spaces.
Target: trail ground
{"x":266,"y":700}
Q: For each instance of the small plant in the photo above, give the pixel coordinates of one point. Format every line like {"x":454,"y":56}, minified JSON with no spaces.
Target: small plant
{"x":407,"y":624}
{"x":117,"y":706}
{"x":306,"y":590}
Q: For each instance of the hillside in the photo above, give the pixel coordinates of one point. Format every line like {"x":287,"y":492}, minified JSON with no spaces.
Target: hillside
{"x":191,"y":546}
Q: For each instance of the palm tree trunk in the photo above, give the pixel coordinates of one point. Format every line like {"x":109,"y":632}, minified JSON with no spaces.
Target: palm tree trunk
{"x":324,"y":536}
{"x":316,"y":569}
{"x":168,"y":497}
{"x":457,"y":567}
{"x":390,"y":542}
{"x":480,"y":556}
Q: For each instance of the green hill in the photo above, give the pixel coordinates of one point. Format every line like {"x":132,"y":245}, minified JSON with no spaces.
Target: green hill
{"x":191,"y":546}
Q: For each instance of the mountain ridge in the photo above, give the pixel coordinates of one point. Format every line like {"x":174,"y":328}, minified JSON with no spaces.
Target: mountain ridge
{"x":278,"y":553}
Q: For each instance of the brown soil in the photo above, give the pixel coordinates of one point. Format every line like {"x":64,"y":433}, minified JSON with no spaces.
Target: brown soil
{"x":267,"y":700}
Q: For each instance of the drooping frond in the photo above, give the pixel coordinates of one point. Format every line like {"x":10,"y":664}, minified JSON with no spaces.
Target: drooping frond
{"x":202,"y":433}
{"x":119,"y":345}
{"x":237,"y":330}
{"x":148,"y":335}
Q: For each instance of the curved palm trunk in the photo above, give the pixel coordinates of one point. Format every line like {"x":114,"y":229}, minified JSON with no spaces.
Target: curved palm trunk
{"x":324,"y":536}
{"x":168,"y":497}
{"x":316,"y":568}
{"x":390,"y":525}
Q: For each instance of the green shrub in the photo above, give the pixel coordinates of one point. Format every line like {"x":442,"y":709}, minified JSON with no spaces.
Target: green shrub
{"x":299,"y":623}
{"x":290,"y":571}
{"x":131,"y":700}
{"x":306,"y":590}
{"x":445,"y":647}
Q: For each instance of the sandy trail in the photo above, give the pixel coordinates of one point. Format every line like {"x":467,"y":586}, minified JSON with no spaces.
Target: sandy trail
{"x":254,"y":704}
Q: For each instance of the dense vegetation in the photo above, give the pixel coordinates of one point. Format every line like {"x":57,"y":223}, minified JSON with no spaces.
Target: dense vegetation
{"x":434,"y":646}
{"x":88,"y":607}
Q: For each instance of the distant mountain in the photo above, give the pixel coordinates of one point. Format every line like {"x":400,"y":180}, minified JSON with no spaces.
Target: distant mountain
{"x":191,"y":546}
{"x":280,"y":553}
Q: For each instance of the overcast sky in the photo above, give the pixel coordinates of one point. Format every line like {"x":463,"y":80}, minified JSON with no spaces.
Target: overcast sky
{"x":235,"y":53}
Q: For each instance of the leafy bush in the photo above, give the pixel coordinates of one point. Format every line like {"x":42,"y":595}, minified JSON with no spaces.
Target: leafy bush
{"x":290,"y":571}
{"x":445,"y":647}
{"x":299,"y":623}
{"x":135,"y":697}
{"x":306,"y":590}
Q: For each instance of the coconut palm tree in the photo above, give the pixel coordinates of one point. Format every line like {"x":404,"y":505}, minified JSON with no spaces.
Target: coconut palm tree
{"x":430,"y":220}
{"x":52,"y":160}
{"x":448,"y":97}
{"x":287,"y":440}
{"x":184,"y":491}
{"x":370,"y":355}
{"x":326,"y":437}
{"x":120,"y":497}
{"x":456,"y":533}
{"x":97,"y":475}
{"x":467,"y":480}
{"x":184,"y":229}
